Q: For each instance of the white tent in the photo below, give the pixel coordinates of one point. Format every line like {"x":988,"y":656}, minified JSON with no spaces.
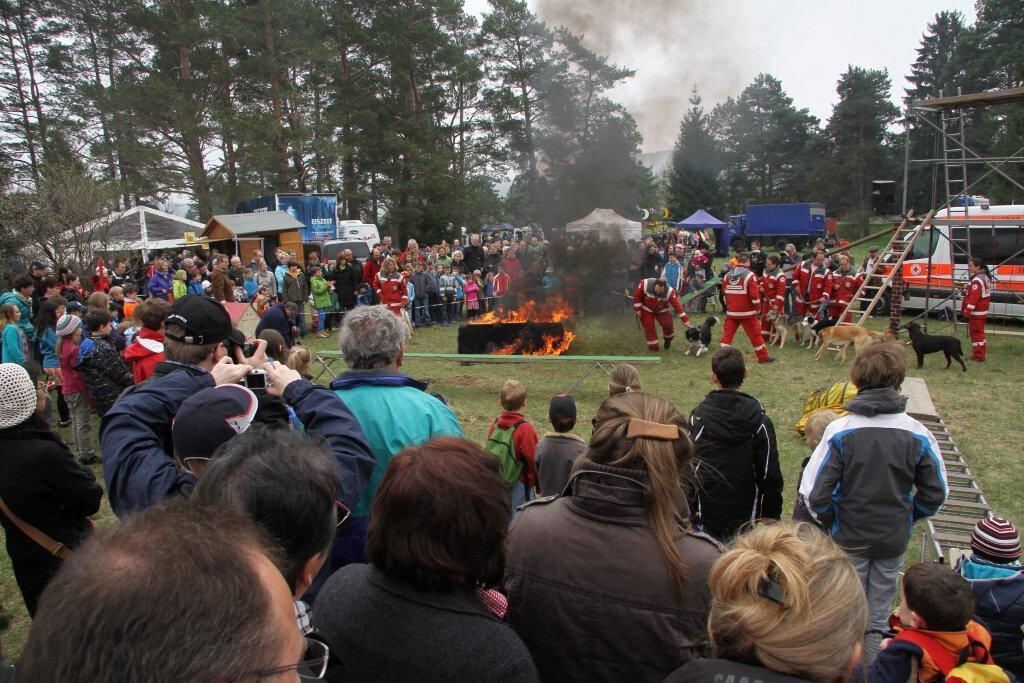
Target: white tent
{"x":608,"y":225}
{"x":138,"y":228}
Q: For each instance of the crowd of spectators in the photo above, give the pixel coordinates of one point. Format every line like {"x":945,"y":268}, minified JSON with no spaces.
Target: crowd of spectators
{"x":271,"y":527}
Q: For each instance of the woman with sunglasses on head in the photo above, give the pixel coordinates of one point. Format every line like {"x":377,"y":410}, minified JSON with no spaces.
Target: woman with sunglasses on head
{"x":787,"y":607}
{"x":608,"y":582}
{"x":423,"y":609}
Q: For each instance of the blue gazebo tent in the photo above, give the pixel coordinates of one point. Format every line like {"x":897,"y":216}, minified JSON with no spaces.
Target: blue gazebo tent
{"x":702,"y":220}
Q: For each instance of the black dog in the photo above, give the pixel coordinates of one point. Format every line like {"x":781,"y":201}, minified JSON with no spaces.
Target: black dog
{"x":700,"y":337}
{"x":929,"y":343}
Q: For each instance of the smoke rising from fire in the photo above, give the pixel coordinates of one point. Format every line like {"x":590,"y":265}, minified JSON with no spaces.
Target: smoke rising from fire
{"x":673,"y":45}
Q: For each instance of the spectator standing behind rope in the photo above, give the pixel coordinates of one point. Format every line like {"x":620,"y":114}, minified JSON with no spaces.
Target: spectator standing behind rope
{"x":160,"y":281}
{"x":40,"y":483}
{"x":393,"y":409}
{"x":875,"y":469}
{"x":787,"y":607}
{"x":642,"y":610}
{"x":431,"y":574}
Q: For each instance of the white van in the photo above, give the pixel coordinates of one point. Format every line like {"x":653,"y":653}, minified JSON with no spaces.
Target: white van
{"x":995,"y":233}
{"x":357,"y":230}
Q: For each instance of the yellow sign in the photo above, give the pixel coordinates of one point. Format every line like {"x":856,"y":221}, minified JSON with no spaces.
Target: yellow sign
{"x":190,"y":238}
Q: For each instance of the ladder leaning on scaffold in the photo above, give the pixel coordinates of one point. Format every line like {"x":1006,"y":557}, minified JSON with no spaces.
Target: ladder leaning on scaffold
{"x":882,"y":270}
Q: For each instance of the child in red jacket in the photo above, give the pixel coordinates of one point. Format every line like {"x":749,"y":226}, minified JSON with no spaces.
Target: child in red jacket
{"x":147,"y":347}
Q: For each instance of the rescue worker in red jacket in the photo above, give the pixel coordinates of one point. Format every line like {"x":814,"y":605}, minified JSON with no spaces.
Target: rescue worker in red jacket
{"x":743,"y":307}
{"x":654,"y":300}
{"x":773,"y":291}
{"x":975,"y":306}
{"x":840,"y":287}
{"x":809,"y":283}
{"x":390,"y":287}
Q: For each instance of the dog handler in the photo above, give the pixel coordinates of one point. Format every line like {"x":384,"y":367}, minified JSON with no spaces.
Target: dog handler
{"x":773,"y":287}
{"x":655,"y":300}
{"x":975,"y":306}
{"x":743,"y":306}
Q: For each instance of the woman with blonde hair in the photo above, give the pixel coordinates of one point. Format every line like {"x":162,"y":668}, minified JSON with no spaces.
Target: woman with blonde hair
{"x":624,"y":377}
{"x":787,"y":606}
{"x":608,"y":581}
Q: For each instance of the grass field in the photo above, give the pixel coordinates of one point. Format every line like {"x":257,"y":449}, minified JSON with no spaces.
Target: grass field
{"x":983,"y":406}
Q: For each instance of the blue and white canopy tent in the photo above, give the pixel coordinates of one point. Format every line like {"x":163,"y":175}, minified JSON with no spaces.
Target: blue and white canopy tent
{"x":702,"y":222}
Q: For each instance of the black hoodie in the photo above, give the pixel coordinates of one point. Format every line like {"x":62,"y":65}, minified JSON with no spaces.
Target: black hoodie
{"x":738,"y":478}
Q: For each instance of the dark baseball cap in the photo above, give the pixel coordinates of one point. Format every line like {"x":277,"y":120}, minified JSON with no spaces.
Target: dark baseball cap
{"x":561,"y":407}
{"x":203,"y":318}
{"x":36,"y":265}
{"x":209,"y":418}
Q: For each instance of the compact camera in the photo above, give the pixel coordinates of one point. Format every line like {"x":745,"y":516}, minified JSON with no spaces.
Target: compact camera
{"x":256,"y":381}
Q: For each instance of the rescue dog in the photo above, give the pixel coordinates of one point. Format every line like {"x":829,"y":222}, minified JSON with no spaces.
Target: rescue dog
{"x":700,"y":337}
{"x":842,"y":336}
{"x":813,"y":328}
{"x":780,"y":327}
{"x":929,"y":343}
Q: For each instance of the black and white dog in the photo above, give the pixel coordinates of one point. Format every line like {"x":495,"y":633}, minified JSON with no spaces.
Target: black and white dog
{"x":700,"y":337}
{"x":812,"y":327}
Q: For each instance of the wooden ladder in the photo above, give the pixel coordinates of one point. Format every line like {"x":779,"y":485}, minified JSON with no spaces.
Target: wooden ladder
{"x":890,"y":261}
{"x":949,"y":531}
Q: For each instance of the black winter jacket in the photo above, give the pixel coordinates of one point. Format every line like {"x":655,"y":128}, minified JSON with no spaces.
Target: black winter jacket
{"x":106,"y":372}
{"x":43,"y":485}
{"x":346,"y":281}
{"x":473,"y":257}
{"x":737,"y":465}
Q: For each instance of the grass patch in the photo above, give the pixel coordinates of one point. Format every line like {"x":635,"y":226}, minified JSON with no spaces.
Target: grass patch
{"x":982,"y":406}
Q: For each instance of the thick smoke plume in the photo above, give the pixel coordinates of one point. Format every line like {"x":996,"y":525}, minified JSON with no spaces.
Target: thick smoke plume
{"x":673,"y":45}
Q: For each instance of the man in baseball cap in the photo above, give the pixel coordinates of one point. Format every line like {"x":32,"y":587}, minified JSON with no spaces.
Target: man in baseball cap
{"x":209,"y":419}
{"x":201,"y":350}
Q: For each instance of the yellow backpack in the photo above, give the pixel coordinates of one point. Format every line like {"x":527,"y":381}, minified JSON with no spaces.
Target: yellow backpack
{"x":832,"y":397}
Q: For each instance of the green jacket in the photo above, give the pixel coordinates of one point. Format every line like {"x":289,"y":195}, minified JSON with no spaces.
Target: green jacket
{"x":25,"y":306}
{"x":321,"y":292}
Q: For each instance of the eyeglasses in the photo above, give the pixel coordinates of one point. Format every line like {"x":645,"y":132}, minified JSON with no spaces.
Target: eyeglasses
{"x":343,"y":513}
{"x":312,"y":667}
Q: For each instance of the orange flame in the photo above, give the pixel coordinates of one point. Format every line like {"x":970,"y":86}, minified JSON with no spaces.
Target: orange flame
{"x":555,"y":310}
{"x":553,"y":346}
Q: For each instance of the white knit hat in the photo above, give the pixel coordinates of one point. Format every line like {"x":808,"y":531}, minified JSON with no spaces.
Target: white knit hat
{"x":17,"y":395}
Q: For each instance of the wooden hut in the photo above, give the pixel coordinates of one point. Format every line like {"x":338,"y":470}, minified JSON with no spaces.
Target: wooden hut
{"x":241,"y":234}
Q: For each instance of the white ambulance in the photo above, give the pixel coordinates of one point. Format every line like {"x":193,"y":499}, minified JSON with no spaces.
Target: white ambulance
{"x":994,"y":233}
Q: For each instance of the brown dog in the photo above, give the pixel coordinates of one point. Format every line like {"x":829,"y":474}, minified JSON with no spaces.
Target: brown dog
{"x":842,"y":336}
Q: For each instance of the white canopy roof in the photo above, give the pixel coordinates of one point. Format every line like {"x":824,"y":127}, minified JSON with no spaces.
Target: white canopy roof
{"x":608,"y":225}
{"x":137,"y":228}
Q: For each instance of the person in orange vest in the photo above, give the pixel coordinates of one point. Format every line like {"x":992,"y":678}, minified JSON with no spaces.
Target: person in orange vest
{"x":773,"y":290}
{"x":840,"y":286}
{"x":809,"y":283}
{"x":654,"y":300}
{"x":975,"y":306}
{"x":743,"y":307}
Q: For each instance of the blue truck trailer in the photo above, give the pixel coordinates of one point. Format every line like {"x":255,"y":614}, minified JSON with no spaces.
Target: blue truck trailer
{"x":775,"y":225}
{"x":318,"y":212}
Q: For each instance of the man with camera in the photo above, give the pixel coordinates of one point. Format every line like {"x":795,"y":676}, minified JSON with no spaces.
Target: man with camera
{"x":202,"y":350}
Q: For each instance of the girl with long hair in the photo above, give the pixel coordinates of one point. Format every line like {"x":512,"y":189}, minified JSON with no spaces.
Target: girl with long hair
{"x":12,"y":339}
{"x":46,"y":348}
{"x":597,"y":582}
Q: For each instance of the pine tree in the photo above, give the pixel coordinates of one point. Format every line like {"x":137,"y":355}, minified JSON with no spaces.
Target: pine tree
{"x":693,"y":181}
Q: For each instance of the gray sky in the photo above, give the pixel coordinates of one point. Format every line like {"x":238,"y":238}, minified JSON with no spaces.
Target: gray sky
{"x":721,"y":45}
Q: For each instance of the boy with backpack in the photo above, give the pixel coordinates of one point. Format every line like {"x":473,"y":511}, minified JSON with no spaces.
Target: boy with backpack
{"x":513,"y":441}
{"x":936,"y":639}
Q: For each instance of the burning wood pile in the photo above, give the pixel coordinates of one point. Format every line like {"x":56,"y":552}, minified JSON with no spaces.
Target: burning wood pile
{"x":533,"y":329}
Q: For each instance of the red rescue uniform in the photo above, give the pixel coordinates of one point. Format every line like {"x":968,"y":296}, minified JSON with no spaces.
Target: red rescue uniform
{"x":975,"y":309}
{"x":839,"y":291}
{"x":650,"y":306}
{"x":809,"y":282}
{"x":392,"y":292}
{"x":743,"y":309}
{"x":773,"y":295}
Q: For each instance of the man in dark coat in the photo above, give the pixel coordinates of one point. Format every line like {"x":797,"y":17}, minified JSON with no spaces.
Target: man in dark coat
{"x":346,"y":277}
{"x":473,"y":254}
{"x":280,"y":317}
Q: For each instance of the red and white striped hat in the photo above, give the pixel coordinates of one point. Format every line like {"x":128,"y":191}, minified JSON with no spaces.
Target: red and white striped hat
{"x":996,"y":538}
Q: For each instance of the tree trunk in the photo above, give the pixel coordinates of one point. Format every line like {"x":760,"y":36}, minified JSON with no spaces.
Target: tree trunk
{"x":30,"y":142}
{"x":280,"y":144}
